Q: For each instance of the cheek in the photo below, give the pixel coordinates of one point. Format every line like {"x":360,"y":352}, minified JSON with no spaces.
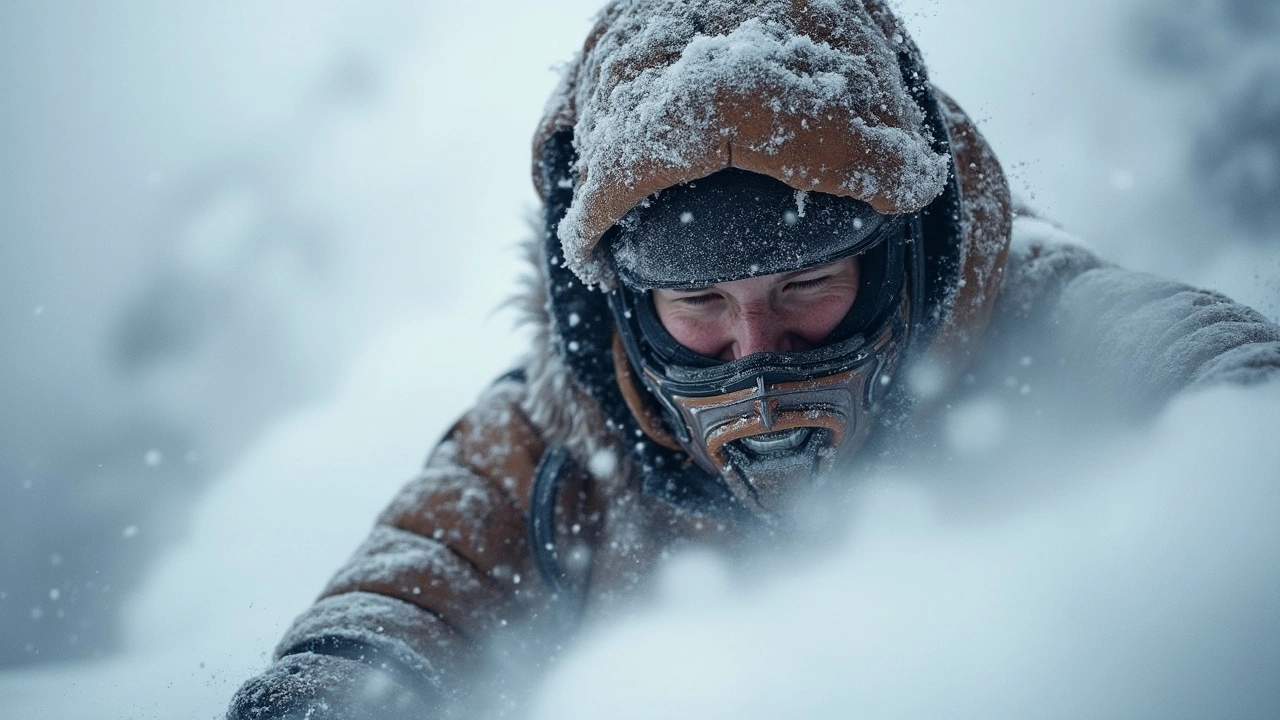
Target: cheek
{"x":702,"y":335}
{"x":815,"y":320}
{"x":702,"y":331}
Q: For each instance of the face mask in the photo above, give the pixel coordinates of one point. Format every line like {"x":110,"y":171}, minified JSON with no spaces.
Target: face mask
{"x":769,"y":423}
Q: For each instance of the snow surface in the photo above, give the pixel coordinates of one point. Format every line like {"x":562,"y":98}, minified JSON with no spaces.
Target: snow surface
{"x":1138,"y":582}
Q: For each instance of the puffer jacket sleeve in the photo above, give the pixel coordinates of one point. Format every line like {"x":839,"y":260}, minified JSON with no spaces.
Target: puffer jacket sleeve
{"x":1135,"y":338}
{"x":403,"y":624}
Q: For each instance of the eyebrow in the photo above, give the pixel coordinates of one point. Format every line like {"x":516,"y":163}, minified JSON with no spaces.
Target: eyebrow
{"x":700,"y":288}
{"x":825,"y":267}
{"x":798,"y":273}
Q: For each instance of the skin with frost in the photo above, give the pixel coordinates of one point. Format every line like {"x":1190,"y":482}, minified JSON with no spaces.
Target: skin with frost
{"x":782,"y":312}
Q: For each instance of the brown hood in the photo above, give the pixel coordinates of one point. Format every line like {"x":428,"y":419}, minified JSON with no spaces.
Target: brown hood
{"x":807,"y":92}
{"x":668,"y":91}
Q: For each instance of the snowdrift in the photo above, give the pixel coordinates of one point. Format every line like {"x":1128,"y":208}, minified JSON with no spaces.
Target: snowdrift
{"x":1142,"y":580}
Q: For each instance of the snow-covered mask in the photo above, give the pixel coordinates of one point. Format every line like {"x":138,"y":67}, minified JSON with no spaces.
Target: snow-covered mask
{"x":770,"y":422}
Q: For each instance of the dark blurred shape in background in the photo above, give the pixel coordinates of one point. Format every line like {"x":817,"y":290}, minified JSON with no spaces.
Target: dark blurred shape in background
{"x":1227,"y":53}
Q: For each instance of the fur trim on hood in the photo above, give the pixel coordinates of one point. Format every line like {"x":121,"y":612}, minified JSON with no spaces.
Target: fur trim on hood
{"x":565,"y":412}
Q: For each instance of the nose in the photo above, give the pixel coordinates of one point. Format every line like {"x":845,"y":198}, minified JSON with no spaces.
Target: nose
{"x":757,"y":330}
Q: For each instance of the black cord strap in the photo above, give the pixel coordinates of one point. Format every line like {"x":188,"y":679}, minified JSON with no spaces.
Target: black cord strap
{"x":555,"y":463}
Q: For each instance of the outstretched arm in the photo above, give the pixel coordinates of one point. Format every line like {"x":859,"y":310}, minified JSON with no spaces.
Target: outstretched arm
{"x":400,"y":627}
{"x":1133,"y":338}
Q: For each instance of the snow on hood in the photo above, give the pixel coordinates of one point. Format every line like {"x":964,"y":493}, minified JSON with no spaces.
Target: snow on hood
{"x":668,"y":91}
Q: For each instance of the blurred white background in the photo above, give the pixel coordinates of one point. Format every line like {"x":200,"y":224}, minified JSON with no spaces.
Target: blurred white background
{"x":252,"y":255}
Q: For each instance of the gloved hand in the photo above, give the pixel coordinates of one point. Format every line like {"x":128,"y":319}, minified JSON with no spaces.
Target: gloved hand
{"x":325,"y":687}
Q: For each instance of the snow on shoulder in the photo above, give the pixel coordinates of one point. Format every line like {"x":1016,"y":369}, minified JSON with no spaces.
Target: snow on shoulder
{"x":668,"y":91}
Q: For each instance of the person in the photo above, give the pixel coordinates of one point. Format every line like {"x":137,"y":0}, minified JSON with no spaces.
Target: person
{"x":772,"y":252}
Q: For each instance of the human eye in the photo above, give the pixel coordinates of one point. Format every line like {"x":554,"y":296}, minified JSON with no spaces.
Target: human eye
{"x":809,"y":283}
{"x":697,"y":300}
{"x":687,"y":299}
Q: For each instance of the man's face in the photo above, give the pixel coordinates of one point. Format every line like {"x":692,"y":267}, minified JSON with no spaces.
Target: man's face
{"x":783,"y":312}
